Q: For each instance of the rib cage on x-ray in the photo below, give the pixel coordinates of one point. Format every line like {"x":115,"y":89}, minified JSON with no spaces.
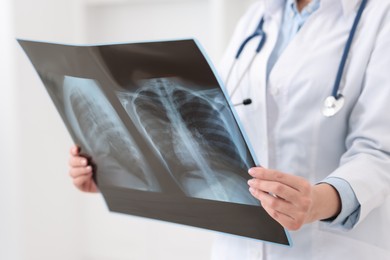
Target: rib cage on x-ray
{"x":104,"y":136}
{"x":195,"y":135}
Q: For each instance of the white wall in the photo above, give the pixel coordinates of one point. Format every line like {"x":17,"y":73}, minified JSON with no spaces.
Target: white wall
{"x":50,"y":212}
{"x":9,"y":197}
{"x":210,"y":21}
{"x":42,"y":215}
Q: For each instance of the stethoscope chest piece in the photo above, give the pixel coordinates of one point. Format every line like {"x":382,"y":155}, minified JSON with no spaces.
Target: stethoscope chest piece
{"x":332,"y":105}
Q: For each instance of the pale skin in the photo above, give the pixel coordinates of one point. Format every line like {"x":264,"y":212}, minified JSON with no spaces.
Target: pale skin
{"x":81,"y":172}
{"x":302,"y":3}
{"x":290,"y":200}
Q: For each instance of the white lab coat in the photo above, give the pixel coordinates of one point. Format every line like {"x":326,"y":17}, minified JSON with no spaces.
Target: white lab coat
{"x":288,"y":131}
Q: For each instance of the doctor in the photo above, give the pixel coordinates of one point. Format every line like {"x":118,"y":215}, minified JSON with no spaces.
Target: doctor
{"x":319,"y":122}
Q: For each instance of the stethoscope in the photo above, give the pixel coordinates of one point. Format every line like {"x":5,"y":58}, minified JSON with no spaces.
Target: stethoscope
{"x":334,"y":102}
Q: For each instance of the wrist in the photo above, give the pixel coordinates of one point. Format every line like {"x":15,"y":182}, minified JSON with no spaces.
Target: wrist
{"x":326,"y":203}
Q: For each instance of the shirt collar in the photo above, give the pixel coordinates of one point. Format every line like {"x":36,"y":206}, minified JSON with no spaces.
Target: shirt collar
{"x":291,"y":6}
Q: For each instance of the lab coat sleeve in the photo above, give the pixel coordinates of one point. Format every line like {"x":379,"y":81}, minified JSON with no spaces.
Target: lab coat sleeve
{"x":350,"y":207}
{"x":366,"y":163}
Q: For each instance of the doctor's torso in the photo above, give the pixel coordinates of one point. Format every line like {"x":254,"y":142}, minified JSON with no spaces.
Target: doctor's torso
{"x":288,"y":131}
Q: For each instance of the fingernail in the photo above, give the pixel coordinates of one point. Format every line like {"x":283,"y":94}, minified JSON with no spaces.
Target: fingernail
{"x":89,"y":168}
{"x":250,"y":182}
{"x":84,"y":162}
{"x":251,"y":190}
{"x":251,"y":171}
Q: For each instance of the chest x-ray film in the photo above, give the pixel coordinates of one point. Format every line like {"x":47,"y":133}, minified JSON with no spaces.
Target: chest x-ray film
{"x":157,"y":126}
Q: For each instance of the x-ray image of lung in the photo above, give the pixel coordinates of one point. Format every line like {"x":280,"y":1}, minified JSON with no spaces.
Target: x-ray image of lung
{"x":103,"y":135}
{"x":154,"y":122}
{"x":195,"y":134}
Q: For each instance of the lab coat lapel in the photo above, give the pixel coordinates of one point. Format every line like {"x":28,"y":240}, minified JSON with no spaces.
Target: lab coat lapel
{"x":272,"y":7}
{"x":272,"y":14}
{"x":348,"y":6}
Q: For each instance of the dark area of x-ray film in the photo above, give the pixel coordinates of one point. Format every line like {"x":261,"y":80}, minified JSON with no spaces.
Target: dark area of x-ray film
{"x":191,"y":131}
{"x":160,"y":134}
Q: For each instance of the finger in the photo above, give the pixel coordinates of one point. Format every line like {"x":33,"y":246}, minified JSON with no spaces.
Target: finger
{"x":81,"y":181}
{"x":74,"y":150}
{"x":281,"y":217}
{"x":76,"y":172}
{"x":78,"y":161}
{"x":295,"y":182}
{"x":284,"y":220}
{"x":274,"y":203}
{"x":279,"y":189}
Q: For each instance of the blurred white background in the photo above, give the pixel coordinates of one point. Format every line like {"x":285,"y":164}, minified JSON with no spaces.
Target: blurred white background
{"x":42,"y":216}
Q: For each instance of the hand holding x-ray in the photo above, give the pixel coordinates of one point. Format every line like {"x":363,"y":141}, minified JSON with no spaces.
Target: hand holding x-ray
{"x":81,"y":171}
